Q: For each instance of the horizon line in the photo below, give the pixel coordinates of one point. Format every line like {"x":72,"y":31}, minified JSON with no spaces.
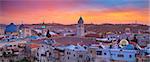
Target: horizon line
{"x":76,"y":23}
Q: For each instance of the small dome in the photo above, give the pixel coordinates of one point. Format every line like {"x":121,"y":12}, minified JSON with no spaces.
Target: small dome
{"x":11,"y":28}
{"x":123,"y":42}
{"x":80,"y":21}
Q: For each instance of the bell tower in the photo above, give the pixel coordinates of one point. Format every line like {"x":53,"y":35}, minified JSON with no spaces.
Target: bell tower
{"x":80,"y":28}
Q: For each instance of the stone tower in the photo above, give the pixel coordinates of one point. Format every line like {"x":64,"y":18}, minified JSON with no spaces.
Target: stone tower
{"x":80,"y":28}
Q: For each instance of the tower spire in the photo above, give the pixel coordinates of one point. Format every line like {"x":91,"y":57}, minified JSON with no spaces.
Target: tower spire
{"x":80,"y":20}
{"x":80,"y":27}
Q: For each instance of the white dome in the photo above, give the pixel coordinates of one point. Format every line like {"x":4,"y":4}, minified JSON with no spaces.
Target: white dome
{"x":123,"y":42}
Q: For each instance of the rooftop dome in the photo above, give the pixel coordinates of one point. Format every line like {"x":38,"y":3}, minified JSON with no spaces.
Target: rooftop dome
{"x":80,"y":21}
{"x":123,"y":42}
{"x":11,"y":28}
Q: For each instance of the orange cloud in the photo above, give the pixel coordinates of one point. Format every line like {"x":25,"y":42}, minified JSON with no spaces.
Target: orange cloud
{"x":71,"y":16}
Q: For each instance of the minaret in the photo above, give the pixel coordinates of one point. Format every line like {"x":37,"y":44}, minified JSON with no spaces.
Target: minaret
{"x":80,"y":28}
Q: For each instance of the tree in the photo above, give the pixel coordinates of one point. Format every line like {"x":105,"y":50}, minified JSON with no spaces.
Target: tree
{"x":48,"y":34}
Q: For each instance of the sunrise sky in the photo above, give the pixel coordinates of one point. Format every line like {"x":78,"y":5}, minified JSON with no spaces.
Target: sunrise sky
{"x":69,"y":11}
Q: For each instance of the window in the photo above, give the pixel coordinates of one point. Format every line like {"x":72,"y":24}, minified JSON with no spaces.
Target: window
{"x":14,"y":45}
{"x":111,"y":54}
{"x":8,"y":52}
{"x":99,"y":52}
{"x":130,"y":56}
{"x":68,"y":57}
{"x":120,"y":55}
{"x":37,"y":54}
{"x":68,"y":53}
{"x":105,"y":54}
{"x":90,"y":51}
{"x":10,"y":45}
{"x":49,"y":53}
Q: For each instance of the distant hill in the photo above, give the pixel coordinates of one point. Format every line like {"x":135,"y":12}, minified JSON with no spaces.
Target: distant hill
{"x":98,"y":27}
{"x":108,"y":27}
{"x":116,"y":27}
